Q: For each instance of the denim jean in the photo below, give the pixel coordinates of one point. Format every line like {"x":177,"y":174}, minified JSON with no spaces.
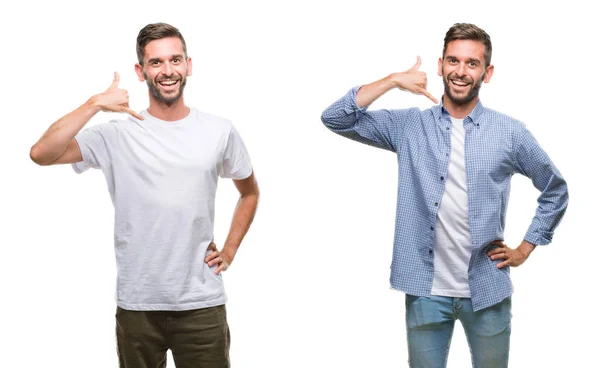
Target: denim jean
{"x":430,"y":323}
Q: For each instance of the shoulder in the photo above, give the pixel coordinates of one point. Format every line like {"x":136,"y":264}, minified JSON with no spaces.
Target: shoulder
{"x":214,"y":122}
{"x":213,"y":127}
{"x":501,"y":119}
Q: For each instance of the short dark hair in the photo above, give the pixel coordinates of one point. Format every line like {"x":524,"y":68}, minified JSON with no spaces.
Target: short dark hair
{"x":468,"y":31}
{"x":156,"y":31}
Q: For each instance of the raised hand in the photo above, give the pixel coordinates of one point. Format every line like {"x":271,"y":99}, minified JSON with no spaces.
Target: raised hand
{"x":116,"y":99}
{"x":414,"y":81}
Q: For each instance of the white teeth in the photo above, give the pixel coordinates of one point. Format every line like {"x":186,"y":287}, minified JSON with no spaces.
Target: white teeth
{"x":462,"y":84}
{"x":168,"y":82}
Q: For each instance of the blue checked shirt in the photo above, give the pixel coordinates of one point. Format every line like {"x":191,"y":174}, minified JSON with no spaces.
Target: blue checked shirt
{"x":496,"y":147}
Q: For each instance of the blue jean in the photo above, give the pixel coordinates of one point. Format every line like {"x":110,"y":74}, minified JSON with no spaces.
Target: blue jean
{"x":430,"y":323}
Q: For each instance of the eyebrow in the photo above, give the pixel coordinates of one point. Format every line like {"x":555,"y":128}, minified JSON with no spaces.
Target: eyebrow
{"x":175,"y":56}
{"x":471,"y":59}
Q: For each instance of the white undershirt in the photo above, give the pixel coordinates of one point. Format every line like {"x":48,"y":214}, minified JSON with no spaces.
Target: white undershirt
{"x":452,"y":236}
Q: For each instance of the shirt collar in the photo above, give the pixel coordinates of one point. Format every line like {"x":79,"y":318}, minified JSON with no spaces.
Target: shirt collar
{"x":475,"y":116}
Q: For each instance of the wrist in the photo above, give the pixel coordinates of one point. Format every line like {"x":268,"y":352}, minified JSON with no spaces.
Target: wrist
{"x":526,"y":248}
{"x":394,"y":80}
{"x":228,"y":252}
{"x":94,"y":104}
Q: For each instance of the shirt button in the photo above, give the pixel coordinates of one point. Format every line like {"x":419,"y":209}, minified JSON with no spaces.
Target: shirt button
{"x":441,"y":178}
{"x":447,"y":128}
{"x":430,"y":251}
{"x":435,"y":204}
{"x":431,"y":228}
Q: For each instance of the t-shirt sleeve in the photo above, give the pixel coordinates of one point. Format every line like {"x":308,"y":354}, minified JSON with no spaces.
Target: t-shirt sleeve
{"x":94,"y":148}
{"x":236,"y":160}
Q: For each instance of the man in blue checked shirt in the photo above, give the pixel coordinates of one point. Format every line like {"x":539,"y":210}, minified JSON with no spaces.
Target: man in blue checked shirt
{"x":455,"y":163}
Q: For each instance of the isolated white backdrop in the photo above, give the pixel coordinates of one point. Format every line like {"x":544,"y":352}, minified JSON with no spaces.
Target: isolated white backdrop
{"x":309,"y":286}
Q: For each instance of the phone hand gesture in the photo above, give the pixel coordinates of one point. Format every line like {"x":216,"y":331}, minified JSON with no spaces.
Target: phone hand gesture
{"x":415,"y":81}
{"x":116,"y":99}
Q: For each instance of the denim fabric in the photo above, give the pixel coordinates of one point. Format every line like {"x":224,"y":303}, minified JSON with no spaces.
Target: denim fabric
{"x":430,"y":324}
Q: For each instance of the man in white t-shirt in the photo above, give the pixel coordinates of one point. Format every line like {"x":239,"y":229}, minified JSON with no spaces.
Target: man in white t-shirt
{"x":162,"y":166}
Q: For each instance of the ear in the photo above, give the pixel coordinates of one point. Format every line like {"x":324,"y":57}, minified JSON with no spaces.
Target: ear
{"x":489,"y":71}
{"x":440,"y":63}
{"x":189,"y":66}
{"x":140,"y":72}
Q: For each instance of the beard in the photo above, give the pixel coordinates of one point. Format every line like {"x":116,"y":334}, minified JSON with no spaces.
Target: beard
{"x":471,"y":94}
{"x":155,"y":91}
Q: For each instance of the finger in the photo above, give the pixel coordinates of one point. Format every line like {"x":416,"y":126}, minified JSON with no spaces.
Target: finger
{"x":496,"y":250}
{"x":499,"y":243}
{"x":211,"y":256}
{"x":115,"y":82}
{"x":139,"y":117}
{"x":495,"y":254}
{"x":502,"y":264}
{"x":417,"y":64}
{"x":212,"y":246}
{"x":425,"y":93}
{"x":216,"y":261}
{"x":221,"y":267}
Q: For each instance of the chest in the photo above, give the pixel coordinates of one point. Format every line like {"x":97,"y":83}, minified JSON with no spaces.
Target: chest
{"x":486,"y":150}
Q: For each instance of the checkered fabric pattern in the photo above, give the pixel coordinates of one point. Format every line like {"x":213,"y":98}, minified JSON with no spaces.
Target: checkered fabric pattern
{"x":496,"y":147}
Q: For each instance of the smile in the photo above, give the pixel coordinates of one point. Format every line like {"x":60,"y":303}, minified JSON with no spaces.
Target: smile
{"x":459,"y":83}
{"x":167,"y":82}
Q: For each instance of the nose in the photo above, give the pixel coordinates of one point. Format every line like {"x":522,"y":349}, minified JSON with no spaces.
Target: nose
{"x":461,"y":69}
{"x":166,"y":69}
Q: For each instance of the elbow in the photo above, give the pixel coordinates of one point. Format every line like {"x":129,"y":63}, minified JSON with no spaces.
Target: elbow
{"x":328,"y":122}
{"x":255,"y":197}
{"x":36,"y":154}
{"x":252,"y":195}
{"x":337,"y":122}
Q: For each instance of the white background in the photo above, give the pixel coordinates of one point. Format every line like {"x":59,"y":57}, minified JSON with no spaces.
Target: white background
{"x":309,"y":286}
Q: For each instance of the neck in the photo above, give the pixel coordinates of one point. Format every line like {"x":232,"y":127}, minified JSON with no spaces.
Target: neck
{"x":459,"y":111}
{"x":174,"y":112}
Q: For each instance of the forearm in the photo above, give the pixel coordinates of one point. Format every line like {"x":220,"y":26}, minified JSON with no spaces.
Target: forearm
{"x":368,"y":93}
{"x":342,"y":114}
{"x":242,"y":219}
{"x":55,"y":140}
{"x":552,"y":205}
{"x":533,"y":162}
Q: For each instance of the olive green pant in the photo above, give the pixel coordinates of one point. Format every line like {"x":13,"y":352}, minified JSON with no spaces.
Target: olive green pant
{"x":197,"y":338}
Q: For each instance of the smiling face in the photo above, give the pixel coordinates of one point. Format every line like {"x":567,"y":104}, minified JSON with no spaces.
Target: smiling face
{"x":165,"y":69}
{"x":463,"y":69}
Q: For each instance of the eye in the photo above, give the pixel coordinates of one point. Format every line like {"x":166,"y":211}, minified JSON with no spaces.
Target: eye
{"x":472,"y":64}
{"x":176,"y":61}
{"x":155,"y":63}
{"x":452,"y":61}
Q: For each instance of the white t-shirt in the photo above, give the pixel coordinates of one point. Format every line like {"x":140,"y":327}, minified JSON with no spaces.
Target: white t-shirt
{"x":452,"y":235}
{"x":162,"y":178}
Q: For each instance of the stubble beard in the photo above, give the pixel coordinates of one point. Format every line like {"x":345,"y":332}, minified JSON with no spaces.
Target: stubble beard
{"x":473,"y":92}
{"x":158,"y":96}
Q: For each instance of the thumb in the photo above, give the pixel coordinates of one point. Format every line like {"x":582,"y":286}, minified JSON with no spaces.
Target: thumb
{"x":115,"y":82}
{"x":417,"y":64}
